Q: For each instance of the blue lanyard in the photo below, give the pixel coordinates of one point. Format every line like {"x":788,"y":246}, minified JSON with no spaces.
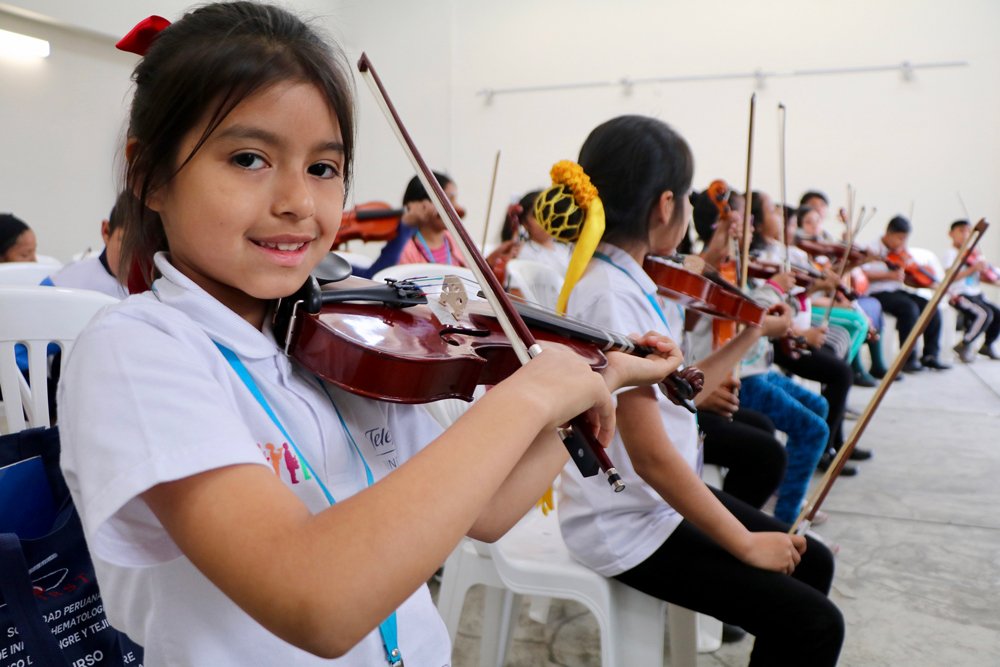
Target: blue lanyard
{"x":387,"y":628}
{"x":649,"y":297}
{"x":427,"y":250}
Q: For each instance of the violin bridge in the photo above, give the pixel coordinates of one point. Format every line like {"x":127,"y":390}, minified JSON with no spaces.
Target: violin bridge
{"x":453,"y":296}
{"x":694,"y":264}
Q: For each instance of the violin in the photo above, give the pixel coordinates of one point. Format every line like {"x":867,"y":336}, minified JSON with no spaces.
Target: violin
{"x":393,"y":342}
{"x":585,"y":450}
{"x":817,"y":247}
{"x":804,"y":276}
{"x":705,"y":291}
{"x":989,"y":275}
{"x":371,"y":221}
{"x":915,"y":275}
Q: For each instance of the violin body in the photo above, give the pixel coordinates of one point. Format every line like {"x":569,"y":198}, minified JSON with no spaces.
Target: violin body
{"x":393,"y":343}
{"x":989,"y":275}
{"x":708,"y":294}
{"x":371,"y":221}
{"x":816,"y":247}
{"x":915,"y":275}
{"x":408,"y":355}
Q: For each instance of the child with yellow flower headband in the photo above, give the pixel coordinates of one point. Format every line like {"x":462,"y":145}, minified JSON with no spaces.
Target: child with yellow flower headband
{"x":670,"y":535}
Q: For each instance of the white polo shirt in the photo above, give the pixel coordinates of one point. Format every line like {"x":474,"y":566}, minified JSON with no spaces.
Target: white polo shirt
{"x":613,"y":532}
{"x":88,"y":273}
{"x":146,"y":397}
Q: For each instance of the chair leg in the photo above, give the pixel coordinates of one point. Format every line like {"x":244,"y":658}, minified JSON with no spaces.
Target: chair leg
{"x":709,"y":633}
{"x":640,"y":625}
{"x":683,"y":628}
{"x":500,"y":607}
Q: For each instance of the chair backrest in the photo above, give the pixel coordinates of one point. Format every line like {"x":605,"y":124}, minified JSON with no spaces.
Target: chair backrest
{"x":25,"y":273}
{"x":35,"y":316}
{"x":49,"y":261}
{"x":538,"y":282}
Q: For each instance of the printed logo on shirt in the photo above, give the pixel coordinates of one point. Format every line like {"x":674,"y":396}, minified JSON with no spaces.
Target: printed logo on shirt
{"x":277,"y":455}
{"x":380,"y":439}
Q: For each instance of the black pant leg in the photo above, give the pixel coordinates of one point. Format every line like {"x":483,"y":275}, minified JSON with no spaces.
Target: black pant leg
{"x":755,"y":459}
{"x":791,"y":617}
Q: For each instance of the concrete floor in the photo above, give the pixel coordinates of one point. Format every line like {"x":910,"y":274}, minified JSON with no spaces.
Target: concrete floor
{"x":918,"y":572}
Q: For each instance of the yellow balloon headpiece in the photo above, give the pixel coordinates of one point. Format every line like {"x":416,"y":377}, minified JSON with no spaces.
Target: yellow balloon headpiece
{"x":570,"y":211}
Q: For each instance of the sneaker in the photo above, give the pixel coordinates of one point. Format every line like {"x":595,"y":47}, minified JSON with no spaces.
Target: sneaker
{"x":827,"y":459}
{"x":820,"y":517}
{"x":858,"y":454}
{"x":912,"y":366}
{"x":987,"y":351}
{"x":879,"y":373}
{"x":964,"y":352}
{"x":932,"y":362}
{"x":862,"y":379}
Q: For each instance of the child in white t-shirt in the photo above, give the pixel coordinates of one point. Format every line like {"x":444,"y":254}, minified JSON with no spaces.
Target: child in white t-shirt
{"x":239,"y":510}
{"x":671,"y":536}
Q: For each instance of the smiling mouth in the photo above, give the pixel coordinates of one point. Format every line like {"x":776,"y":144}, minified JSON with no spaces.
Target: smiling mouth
{"x":284,"y":247}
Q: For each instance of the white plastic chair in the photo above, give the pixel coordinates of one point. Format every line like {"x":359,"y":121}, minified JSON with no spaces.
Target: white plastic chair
{"x":49,"y":261}
{"x":538,"y":282}
{"x":36,"y":316}
{"x":25,"y":273}
{"x":356,"y":258}
{"x":532,"y":559}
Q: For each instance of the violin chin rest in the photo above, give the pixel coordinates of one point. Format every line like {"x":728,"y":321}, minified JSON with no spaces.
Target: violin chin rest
{"x":332,"y":269}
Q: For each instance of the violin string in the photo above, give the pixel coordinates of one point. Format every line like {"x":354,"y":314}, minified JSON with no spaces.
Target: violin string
{"x":434,"y":286}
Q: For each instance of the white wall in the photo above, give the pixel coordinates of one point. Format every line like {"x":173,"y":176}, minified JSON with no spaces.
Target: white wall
{"x":898,"y":142}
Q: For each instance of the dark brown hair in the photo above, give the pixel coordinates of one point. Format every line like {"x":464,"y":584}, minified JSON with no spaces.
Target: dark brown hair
{"x":201,"y":67}
{"x":632,"y":160}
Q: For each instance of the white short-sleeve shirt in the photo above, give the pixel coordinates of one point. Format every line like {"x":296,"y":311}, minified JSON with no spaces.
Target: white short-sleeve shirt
{"x":557,"y":256}
{"x":89,"y":273}
{"x":971,"y":285}
{"x":613,"y":532}
{"x":146,"y":397}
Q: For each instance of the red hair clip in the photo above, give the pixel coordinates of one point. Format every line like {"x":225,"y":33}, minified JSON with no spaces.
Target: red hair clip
{"x":142,"y":35}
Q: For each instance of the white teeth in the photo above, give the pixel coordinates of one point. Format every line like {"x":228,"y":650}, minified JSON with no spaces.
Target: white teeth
{"x":288,"y":247}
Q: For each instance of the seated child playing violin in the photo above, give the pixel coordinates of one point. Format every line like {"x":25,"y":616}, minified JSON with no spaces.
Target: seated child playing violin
{"x":819,"y":361}
{"x":671,"y":536}
{"x":978,"y":315}
{"x":887,"y":285}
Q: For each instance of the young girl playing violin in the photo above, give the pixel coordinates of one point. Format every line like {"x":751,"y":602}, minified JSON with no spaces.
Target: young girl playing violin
{"x":670,"y":535}
{"x":239,"y":511}
{"x":537,"y":245}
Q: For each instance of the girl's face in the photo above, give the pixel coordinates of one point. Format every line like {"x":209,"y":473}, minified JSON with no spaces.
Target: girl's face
{"x":771,"y":225}
{"x":664,"y":239}
{"x":259,"y":204}
{"x":23,"y":249}
{"x":812,"y":223}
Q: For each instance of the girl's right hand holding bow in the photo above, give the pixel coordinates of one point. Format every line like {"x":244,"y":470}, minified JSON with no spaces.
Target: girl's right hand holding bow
{"x":778,"y":552}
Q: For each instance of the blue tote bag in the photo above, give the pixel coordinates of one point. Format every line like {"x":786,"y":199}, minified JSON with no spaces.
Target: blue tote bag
{"x":51,"y":613}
